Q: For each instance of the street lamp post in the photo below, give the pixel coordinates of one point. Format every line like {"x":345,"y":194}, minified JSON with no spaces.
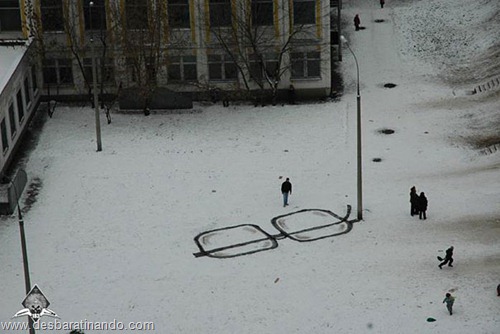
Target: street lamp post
{"x":24,"y":250}
{"x":94,"y":83}
{"x":358,"y":117}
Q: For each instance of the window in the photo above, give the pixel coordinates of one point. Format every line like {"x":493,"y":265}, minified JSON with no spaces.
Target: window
{"x":12,"y":120}
{"x":178,"y":13}
{"x":304,"y":11}
{"x":109,"y":73}
{"x":27,"y":93}
{"x":182,"y":68}
{"x":270,"y":65}
{"x":5,"y":138}
{"x":220,"y":13}
{"x":10,"y":15}
{"x":34,"y":79}
{"x":221,"y":67}
{"x":57,"y":71}
{"x":262,"y":12}
{"x":136,"y":12}
{"x":306,"y":64}
{"x":52,"y":15}
{"x":95,"y":16}
{"x":20,"y":106}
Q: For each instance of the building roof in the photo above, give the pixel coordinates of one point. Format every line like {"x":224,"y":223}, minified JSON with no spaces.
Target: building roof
{"x":11,"y":54}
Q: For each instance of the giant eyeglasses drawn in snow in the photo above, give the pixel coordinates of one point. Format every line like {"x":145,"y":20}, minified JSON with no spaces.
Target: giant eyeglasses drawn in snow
{"x":303,"y":226}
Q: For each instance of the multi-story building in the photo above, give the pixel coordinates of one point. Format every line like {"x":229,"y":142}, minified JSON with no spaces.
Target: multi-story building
{"x":194,"y":46}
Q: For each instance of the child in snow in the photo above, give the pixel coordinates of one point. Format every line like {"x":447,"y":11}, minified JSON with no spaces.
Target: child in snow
{"x":449,"y":300}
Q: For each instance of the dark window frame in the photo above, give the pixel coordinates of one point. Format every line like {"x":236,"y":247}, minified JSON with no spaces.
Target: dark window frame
{"x":5,"y":137}
{"x":109,"y":69}
{"x":10,"y":12}
{"x":179,"y":15}
{"x":95,"y":16}
{"x":227,"y":68}
{"x":51,"y":15}
{"x":27,"y":91}
{"x":262,"y":12}
{"x":306,"y":65}
{"x":12,"y":120}
{"x":180,"y":69}
{"x":20,"y":106}
{"x":61,"y":70}
{"x":304,"y":12}
{"x":137,"y":14}
{"x":220,"y":13}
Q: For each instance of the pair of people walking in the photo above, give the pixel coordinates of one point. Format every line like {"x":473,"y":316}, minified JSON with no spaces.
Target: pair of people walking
{"x":418,"y":203}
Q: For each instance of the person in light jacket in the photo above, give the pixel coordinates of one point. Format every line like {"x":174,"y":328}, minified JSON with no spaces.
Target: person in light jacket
{"x":449,"y":300}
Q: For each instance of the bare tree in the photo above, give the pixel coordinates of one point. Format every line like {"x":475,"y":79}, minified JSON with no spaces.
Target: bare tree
{"x":47,"y":16}
{"x":259,"y":40}
{"x":140,"y":32}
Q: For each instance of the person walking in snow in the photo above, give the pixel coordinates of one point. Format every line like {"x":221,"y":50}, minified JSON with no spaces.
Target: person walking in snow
{"x":498,"y":290}
{"x":413,"y":201}
{"x":382,"y":2}
{"x":286,"y":189}
{"x":357,"y":22}
{"x":448,"y":259}
{"x":449,"y":300}
{"x":422,"y":206}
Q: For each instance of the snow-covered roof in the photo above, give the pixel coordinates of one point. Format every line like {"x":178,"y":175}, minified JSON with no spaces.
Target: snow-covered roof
{"x":11,"y":54}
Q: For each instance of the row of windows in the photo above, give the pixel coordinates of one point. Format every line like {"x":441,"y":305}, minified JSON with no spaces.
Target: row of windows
{"x":138,"y":11}
{"x":21,"y":103}
{"x":184,"y":68}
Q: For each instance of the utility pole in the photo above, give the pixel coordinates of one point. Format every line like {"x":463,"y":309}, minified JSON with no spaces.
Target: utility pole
{"x":94,"y":83}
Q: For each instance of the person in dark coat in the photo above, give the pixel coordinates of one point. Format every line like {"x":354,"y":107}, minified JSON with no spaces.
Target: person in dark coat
{"x":413,"y":201}
{"x":382,"y":2}
{"x":286,"y":188}
{"x":422,"y":206}
{"x":498,"y":290}
{"x":357,"y":22}
{"x":448,"y":259}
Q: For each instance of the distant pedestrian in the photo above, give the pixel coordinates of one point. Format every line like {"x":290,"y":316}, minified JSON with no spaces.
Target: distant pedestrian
{"x":382,"y":2}
{"x":422,"y":206}
{"x":448,"y":259}
{"x":413,"y":201}
{"x":498,"y":290}
{"x":286,"y":189}
{"x":449,"y":300}
{"x":357,"y":22}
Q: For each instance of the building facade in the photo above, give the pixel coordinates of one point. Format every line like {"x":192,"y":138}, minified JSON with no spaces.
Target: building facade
{"x":191,"y":46}
{"x":19,"y":95}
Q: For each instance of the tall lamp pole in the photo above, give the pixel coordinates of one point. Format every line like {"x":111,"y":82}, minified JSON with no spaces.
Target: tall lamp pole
{"x":94,"y":83}
{"x":27,"y":281}
{"x":358,"y":120}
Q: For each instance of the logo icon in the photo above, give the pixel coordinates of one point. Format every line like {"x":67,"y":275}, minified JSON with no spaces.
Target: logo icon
{"x":35,"y":306}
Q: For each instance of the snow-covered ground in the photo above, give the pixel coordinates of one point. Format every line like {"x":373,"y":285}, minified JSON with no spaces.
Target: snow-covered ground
{"x":111,"y":235}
